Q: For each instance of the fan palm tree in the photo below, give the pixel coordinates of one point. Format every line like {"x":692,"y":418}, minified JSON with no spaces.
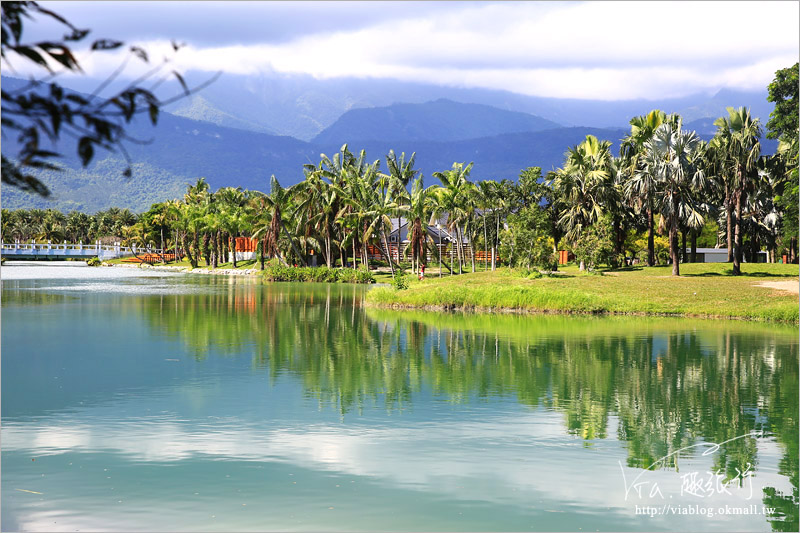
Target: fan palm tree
{"x":739,"y":134}
{"x":639,"y":186}
{"x":675,"y":158}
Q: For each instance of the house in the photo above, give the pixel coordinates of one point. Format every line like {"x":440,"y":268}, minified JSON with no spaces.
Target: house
{"x":437,"y":231}
{"x":400,"y":233}
{"x":718,"y":255}
{"x":245,"y":249}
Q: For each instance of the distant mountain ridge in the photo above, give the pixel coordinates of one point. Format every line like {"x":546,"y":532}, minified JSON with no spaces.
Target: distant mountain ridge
{"x":302,"y":106}
{"x":184,"y":150}
{"x":439,"y":120}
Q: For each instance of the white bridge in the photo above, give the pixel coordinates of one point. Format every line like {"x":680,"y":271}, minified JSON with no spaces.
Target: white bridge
{"x":18,"y":250}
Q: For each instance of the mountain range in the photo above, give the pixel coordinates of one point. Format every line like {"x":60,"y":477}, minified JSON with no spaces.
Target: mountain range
{"x":239,"y":135}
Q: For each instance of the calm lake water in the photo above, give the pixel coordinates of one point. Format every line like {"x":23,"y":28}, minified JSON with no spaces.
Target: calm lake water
{"x":147,"y":401}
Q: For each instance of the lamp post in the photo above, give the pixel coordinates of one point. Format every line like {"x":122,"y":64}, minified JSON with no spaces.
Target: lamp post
{"x":439,"y":231}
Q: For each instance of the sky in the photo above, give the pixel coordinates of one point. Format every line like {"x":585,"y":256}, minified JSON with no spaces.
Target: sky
{"x":591,"y":50}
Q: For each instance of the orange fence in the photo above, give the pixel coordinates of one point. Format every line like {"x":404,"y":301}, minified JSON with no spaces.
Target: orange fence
{"x":246,"y":244}
{"x":483,"y":257}
{"x":150,"y":258}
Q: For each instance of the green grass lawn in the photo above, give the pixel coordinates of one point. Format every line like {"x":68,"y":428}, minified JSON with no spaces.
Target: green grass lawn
{"x":702,"y":290}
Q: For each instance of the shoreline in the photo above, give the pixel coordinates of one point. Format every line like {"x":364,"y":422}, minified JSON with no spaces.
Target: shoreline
{"x":483,"y":310}
{"x":706,"y":292}
{"x":187,"y":270}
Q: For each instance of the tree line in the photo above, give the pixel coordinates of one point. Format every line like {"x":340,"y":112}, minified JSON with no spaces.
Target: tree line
{"x":665,"y":187}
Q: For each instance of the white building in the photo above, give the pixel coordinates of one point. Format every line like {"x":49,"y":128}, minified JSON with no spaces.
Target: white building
{"x":719,"y":255}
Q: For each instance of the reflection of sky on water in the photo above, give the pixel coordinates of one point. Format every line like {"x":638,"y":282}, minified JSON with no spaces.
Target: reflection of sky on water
{"x":50,"y":270}
{"x":516,"y":457}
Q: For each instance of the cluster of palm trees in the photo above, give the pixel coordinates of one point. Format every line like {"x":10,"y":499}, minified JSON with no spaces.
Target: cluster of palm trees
{"x":666,"y":171}
{"x":50,"y":225}
{"x":343,"y":208}
{"x":665,"y":179}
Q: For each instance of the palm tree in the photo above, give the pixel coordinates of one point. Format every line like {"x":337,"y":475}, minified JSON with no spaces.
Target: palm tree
{"x":454,"y":200}
{"x":77,"y":226}
{"x":402,"y":173}
{"x":485,"y":198}
{"x":379,"y":207}
{"x":639,"y":186}
{"x":231,"y":215}
{"x":675,"y":158}
{"x":717,"y":170}
{"x":50,"y":230}
{"x":273,"y":205}
{"x":214,"y":225}
{"x":191,"y":222}
{"x":421,"y":205}
{"x":739,"y":134}
{"x":583,"y":184}
{"x":318,"y":203}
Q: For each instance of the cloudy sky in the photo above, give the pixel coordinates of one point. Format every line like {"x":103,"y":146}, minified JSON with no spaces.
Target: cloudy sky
{"x":597,"y":50}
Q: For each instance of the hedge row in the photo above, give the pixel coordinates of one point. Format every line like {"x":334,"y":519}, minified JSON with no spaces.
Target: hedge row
{"x":317,"y":274}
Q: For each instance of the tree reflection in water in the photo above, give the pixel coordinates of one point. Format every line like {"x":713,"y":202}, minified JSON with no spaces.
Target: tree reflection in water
{"x":670,"y":383}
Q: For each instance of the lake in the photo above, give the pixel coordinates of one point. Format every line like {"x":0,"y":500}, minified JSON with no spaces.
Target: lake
{"x":141,"y":400}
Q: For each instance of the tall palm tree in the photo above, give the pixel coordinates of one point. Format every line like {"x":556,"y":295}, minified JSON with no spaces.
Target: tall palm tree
{"x":402,"y":173}
{"x":675,"y":158}
{"x":717,"y":169}
{"x":639,"y":186}
{"x":421,"y":205}
{"x":274,"y":205}
{"x":454,"y":200}
{"x":485,"y":197}
{"x":232,"y":215}
{"x":318,"y":204}
{"x":583,"y":183}
{"x":739,"y":134}
{"x":379,"y":206}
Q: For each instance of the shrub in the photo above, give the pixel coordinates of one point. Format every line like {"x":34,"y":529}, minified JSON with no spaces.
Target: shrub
{"x":526,"y":243}
{"x":363,"y":275}
{"x":595,"y":245}
{"x":275,"y":271}
{"x":346,"y":275}
{"x":93,"y":262}
{"x":529,"y":273}
{"x":400,"y":282}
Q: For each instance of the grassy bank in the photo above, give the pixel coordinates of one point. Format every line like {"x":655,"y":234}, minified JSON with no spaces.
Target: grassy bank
{"x":702,"y":290}
{"x":278,"y":273}
{"x":240,"y":265}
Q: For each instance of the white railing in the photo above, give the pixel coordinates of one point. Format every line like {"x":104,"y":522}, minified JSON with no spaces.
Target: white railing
{"x":102,"y":251}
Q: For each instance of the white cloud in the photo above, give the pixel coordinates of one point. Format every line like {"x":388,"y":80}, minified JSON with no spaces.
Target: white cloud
{"x":605,"y":50}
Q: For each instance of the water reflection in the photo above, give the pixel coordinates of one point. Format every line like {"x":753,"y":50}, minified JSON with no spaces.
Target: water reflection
{"x":670,"y":383}
{"x":658,"y":386}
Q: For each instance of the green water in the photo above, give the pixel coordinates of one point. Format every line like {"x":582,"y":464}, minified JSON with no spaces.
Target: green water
{"x":199,"y":403}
